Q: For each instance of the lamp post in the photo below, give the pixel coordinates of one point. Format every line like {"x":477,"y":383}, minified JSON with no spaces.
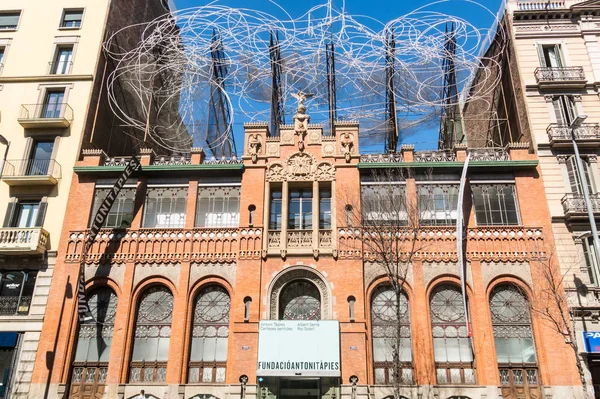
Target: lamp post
{"x":586,"y":196}
{"x":7,"y":144}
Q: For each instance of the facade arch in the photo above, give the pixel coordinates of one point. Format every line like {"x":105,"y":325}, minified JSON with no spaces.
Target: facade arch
{"x":300,"y":273}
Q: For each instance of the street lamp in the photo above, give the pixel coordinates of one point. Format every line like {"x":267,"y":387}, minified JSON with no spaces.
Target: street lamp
{"x":586,"y":195}
{"x":7,"y":144}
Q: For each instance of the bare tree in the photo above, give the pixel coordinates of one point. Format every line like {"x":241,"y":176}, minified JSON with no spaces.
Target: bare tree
{"x":552,"y":306}
{"x":390,"y":223}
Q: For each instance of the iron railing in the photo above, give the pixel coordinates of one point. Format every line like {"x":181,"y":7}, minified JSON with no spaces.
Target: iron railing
{"x":14,"y":305}
{"x":585,"y":131}
{"x":575,"y":203}
{"x":562,"y":74}
{"x":32,"y":167}
{"x":59,"y":67}
{"x":46,"y":111}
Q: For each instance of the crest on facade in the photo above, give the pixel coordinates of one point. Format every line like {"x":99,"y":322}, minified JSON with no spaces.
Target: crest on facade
{"x":301,"y":167}
{"x":254,"y":146}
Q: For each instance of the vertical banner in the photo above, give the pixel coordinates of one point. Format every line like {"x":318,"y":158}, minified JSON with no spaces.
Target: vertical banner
{"x":97,"y":222}
{"x":460,"y":231}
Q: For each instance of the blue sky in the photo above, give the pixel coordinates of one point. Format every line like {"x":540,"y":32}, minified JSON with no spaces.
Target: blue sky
{"x":381,"y":10}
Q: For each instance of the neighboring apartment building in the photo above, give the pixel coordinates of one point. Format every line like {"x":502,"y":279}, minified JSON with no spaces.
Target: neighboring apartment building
{"x":51,"y":70}
{"x":251,"y":278}
{"x":555,"y":47}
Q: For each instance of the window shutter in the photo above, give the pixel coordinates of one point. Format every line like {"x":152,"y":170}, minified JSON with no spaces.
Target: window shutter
{"x":560,"y":118}
{"x":573,"y":177}
{"x":10,"y":213}
{"x":540,"y":51}
{"x":558,"y":55}
{"x":39,"y":222}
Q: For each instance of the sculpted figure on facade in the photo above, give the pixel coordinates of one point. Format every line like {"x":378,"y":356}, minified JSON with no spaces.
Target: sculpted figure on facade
{"x":254,"y":146}
{"x":301,"y":119}
{"x":347,"y":145}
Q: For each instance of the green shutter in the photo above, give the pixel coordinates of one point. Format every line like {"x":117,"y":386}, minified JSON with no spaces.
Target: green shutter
{"x":10,"y":213}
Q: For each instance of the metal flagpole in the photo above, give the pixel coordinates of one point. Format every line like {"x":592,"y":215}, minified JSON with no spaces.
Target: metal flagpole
{"x":459,"y":244}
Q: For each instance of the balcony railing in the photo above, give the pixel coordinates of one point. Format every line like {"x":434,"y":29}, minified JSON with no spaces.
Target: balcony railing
{"x":18,"y":172}
{"x":14,"y":305}
{"x":59,"y":67}
{"x":30,"y":240}
{"x":560,"y":76}
{"x":574,"y":205}
{"x":586,"y":133}
{"x":45,"y":115}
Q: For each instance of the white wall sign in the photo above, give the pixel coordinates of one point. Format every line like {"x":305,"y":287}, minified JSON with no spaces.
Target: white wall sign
{"x":299,"y":348}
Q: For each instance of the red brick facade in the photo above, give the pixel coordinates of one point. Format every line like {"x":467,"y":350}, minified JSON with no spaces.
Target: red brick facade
{"x":240,"y":261}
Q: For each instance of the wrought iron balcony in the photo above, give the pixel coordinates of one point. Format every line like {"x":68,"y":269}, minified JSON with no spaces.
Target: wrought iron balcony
{"x":560,"y":77}
{"x":14,"y":305}
{"x":59,"y":67}
{"x":21,"y":172}
{"x":29,"y":240}
{"x":574,"y":205}
{"x":587,"y":134}
{"x":47,"y":115}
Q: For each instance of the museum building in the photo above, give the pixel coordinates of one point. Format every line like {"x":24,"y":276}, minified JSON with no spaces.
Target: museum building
{"x":257,"y":276}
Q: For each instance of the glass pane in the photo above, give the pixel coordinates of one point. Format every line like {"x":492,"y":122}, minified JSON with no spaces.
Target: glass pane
{"x":380,"y":376}
{"x":442,"y":378}
{"x":104,"y":348}
{"x":9,"y":20}
{"x":439,"y":350}
{"x":221,"y":350}
{"x":528,"y":350}
{"x":209,"y":349}
{"x":455,"y":376}
{"x":82,"y":350}
{"x":515,"y":353}
{"x":452,"y":350}
{"x":501,"y":350}
{"x":207,"y":374}
{"x":145,"y":349}
{"x":466,"y":352}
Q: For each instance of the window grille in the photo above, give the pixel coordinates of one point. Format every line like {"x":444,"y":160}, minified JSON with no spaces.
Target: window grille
{"x":16,"y":292}
{"x":438,"y":204}
{"x":218,"y":207}
{"x":300,"y":300}
{"x":390,"y":325}
{"x":121,"y":213}
{"x":210,"y":332}
{"x":165,"y":207}
{"x":495,"y":204}
{"x":384,"y":204}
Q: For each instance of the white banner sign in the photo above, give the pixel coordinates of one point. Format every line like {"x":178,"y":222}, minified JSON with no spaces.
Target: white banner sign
{"x":299,"y":348}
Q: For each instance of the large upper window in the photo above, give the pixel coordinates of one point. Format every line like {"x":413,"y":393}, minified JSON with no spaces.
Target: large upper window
{"x":513,"y":337}
{"x":275,"y":222}
{"x":53,"y":104}
{"x":451,"y":344}
{"x":438,"y":204}
{"x":300,"y":300}
{"x":325,"y":209}
{"x":574,"y":179}
{"x":40,"y":161}
{"x":300,"y":209}
{"x":63,"y":60}
{"x":121,"y":213}
{"x":210,"y":333}
{"x":25,"y":214}
{"x":564,"y":109}
{"x":388,"y":312}
{"x":152,"y":336}
{"x":71,"y":18}
{"x":218,"y":206}
{"x":551,"y":55}
{"x":16,"y":291}
{"x":495,"y":204}
{"x":165,"y":207}
{"x":9,"y":20}
{"x":383,"y":204}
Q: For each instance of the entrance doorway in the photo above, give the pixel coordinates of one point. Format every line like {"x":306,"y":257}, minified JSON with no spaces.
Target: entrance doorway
{"x":298,"y":388}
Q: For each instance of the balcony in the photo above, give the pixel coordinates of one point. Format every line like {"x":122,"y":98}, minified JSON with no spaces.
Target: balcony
{"x":299,"y":241}
{"x":586,"y":135}
{"x":38,"y":116}
{"x":23,"y":241}
{"x":574,"y":205}
{"x":25,"y":172}
{"x":563,"y":77}
{"x":59,"y":68}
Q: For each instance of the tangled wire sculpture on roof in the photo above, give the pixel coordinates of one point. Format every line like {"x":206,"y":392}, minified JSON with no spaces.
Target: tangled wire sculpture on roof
{"x":172,"y":68}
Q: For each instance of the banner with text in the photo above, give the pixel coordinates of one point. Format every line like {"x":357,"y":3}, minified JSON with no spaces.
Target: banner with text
{"x":299,"y":348}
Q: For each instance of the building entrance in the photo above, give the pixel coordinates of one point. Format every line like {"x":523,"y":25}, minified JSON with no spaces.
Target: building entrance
{"x":298,"y":388}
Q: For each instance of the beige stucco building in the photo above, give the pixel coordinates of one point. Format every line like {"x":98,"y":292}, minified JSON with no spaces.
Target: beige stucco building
{"x":51,"y":73}
{"x":556,"y":50}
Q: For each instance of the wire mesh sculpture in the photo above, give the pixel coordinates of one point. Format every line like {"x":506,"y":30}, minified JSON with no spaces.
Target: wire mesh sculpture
{"x":200,"y":72}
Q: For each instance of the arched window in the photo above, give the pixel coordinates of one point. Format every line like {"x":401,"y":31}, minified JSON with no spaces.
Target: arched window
{"x":513,"y":337}
{"x":210,"y":332}
{"x":451,"y":344}
{"x":93,"y":343}
{"x":300,"y":300}
{"x":390,"y":329}
{"x":152,"y":336}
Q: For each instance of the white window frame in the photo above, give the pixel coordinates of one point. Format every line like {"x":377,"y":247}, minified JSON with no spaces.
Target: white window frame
{"x":18,"y":23}
{"x":564,"y":50}
{"x":62,"y":17}
{"x":62,"y":42}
